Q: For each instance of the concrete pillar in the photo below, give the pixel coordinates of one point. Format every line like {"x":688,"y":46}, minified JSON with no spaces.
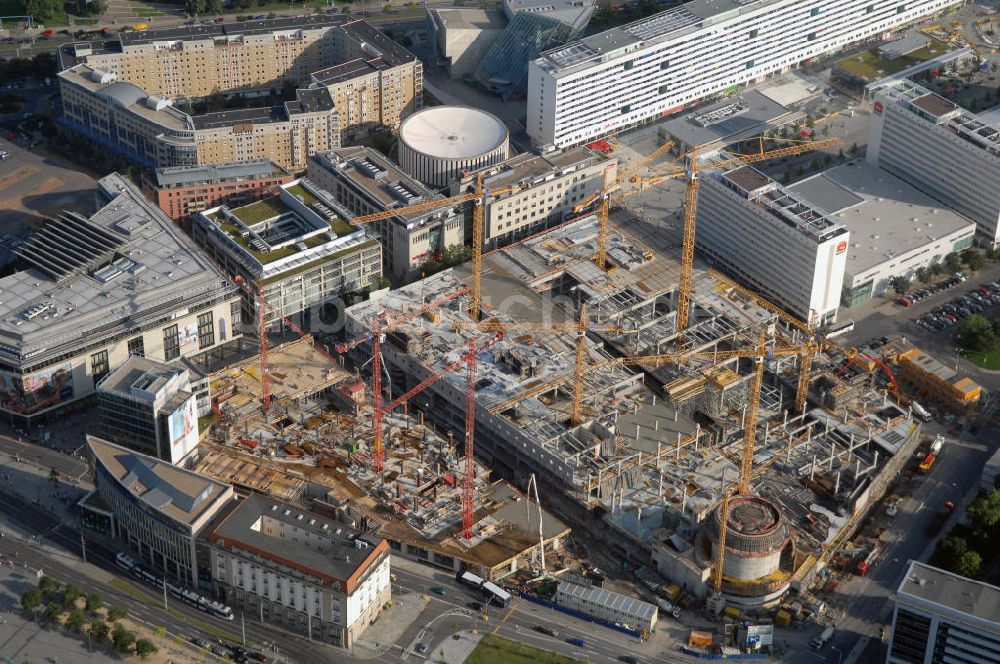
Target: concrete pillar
{"x":812,"y":468}
{"x":836,"y":484}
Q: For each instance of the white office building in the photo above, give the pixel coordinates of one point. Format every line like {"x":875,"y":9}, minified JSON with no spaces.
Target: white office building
{"x":943,"y":617}
{"x":895,"y":229}
{"x":631,"y":74}
{"x":773,"y":241}
{"x":941,"y":149}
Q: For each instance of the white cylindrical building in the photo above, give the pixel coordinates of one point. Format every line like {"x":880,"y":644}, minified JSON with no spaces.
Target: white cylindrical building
{"x":438,"y":143}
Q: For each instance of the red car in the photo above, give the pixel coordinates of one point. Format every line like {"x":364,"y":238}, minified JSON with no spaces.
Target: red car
{"x":905,"y":301}
{"x":220,"y":20}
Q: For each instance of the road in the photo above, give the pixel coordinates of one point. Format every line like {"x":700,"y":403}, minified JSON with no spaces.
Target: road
{"x":867,"y":600}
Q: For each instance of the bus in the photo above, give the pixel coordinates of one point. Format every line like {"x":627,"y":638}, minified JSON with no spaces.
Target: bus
{"x":495,"y":594}
{"x":469,"y":579}
{"x":839,"y":329}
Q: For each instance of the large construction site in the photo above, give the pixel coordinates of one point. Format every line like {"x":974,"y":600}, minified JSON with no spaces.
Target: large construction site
{"x":635,"y":426}
{"x":313,"y":446}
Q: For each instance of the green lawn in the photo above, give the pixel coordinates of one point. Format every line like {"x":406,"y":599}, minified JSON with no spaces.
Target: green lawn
{"x":870,"y":66}
{"x":989,"y":360}
{"x":261,"y":210}
{"x":497,"y":650}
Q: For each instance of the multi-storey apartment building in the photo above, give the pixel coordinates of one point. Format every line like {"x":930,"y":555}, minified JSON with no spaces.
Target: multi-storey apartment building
{"x":300,"y":570}
{"x":774,"y":241}
{"x":625,"y":76}
{"x":943,"y":617}
{"x":351,"y":78}
{"x":364,"y":181}
{"x":181,"y":191}
{"x":194,"y":61}
{"x":159,"y":511}
{"x":941,"y":149}
{"x":153,"y":132}
{"x":87,"y":293}
{"x":546,"y":188}
{"x":296,"y":244}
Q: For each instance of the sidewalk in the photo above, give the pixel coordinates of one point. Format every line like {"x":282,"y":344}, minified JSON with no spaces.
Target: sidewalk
{"x":381,"y":637}
{"x":456,"y":649}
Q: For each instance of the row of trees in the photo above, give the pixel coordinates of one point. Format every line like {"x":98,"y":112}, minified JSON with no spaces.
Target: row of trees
{"x":973,"y":259}
{"x":84,"y":614}
{"x":979,"y":334}
{"x":960,"y":551}
{"x":450,"y":257}
{"x":40,"y":66}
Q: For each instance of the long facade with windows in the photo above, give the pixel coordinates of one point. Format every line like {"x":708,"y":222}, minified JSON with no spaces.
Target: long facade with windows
{"x":941,"y":149}
{"x":625,"y":76}
{"x":944,"y":618}
{"x":299,"y":570}
{"x":88,"y":292}
{"x":745,"y":219}
{"x":157,"y":510}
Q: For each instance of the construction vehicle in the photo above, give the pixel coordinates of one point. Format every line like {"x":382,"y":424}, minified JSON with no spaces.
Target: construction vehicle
{"x":920,"y":411}
{"x":932,"y":455}
{"x":821,"y":640}
{"x":870,"y":558}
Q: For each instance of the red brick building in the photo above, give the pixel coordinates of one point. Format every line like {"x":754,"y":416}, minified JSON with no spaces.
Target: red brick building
{"x":182,"y":191}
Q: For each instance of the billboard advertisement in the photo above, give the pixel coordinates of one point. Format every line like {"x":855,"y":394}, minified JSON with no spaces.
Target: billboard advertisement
{"x":183,"y":430}
{"x":188,"y":338}
{"x":37,"y":391}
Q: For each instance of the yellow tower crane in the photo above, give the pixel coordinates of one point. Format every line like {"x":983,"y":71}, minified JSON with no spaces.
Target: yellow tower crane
{"x":742,"y":486}
{"x":691,"y":201}
{"x":478,"y":197}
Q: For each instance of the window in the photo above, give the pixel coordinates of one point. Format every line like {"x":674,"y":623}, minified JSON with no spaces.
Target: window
{"x":814,"y":11}
{"x":206,"y":330}
{"x":626,"y":108}
{"x":629,"y":65}
{"x":754,"y":33}
{"x":900,"y":9}
{"x":171,"y":343}
{"x":750,"y":64}
{"x":664,"y":89}
{"x":664,"y":64}
{"x":812,"y":36}
{"x":135,"y":347}
{"x":99,"y":365}
{"x":869,"y":9}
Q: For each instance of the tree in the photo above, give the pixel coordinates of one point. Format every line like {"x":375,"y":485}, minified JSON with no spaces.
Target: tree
{"x":122,"y":639}
{"x":52,"y":612}
{"x":99,"y":630}
{"x":970,"y":565}
{"x":814,"y":164}
{"x":387,"y":8}
{"x":116,"y":613}
{"x":936,"y":269}
{"x":853,"y":150}
{"x":950,"y":551}
{"x":161,"y":632}
{"x":825,"y":131}
{"x":70,"y":595}
{"x":827,"y":159}
{"x":900,"y":284}
{"x":31,"y":599}
{"x":144,"y":648}
{"x":976,"y":333}
{"x":984,"y":512}
{"x":953,"y":261}
{"x":48,"y":585}
{"x":973,"y":259}
{"x":75,"y":620}
{"x":94,"y":602}
{"x":923,"y":275}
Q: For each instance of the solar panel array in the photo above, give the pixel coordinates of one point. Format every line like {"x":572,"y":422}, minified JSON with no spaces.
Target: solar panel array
{"x":663,"y":23}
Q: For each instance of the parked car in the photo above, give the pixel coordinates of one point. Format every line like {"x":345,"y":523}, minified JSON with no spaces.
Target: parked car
{"x":437,"y":590}
{"x":905,"y":301}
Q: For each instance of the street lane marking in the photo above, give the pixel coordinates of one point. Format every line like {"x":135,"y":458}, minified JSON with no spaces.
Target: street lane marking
{"x":500,"y":624}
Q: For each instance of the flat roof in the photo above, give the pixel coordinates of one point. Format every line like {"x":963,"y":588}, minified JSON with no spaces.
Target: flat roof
{"x":180,"y":494}
{"x":154,"y":268}
{"x":240,"y":116}
{"x":934,"y":104}
{"x":530,"y":167}
{"x":886,"y":216}
{"x":469,"y":19}
{"x":379,"y":177}
{"x":628,"y":606}
{"x":264,"y":526}
{"x":346,"y":71}
{"x":148,"y":376}
{"x":935,"y":589}
{"x":730,"y":120}
{"x":249,"y":169}
{"x":236,"y":28}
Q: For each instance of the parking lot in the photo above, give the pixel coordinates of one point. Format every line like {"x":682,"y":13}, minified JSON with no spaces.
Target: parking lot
{"x":34,"y":185}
